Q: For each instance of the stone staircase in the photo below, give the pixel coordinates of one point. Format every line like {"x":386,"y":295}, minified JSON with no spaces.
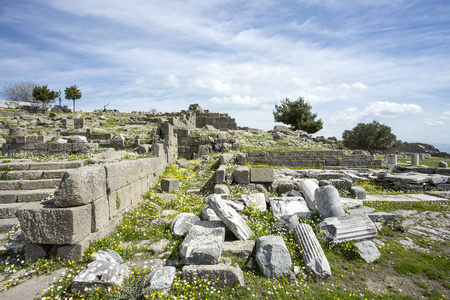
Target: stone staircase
{"x":22,"y":182}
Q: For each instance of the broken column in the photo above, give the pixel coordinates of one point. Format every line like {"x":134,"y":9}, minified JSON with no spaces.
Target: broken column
{"x":414,"y":159}
{"x":312,"y":253}
{"x":328,"y":202}
{"x":392,"y":159}
{"x":272,"y":256}
{"x":309,"y":187}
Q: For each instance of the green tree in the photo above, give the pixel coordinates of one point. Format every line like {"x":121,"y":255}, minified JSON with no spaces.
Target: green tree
{"x":297,"y":114}
{"x":73,"y":93}
{"x":371,"y":137}
{"x":44,"y":95}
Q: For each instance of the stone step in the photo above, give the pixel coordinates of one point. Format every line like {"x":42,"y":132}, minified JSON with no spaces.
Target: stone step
{"x":29,"y":184}
{"x":406,"y":198}
{"x":7,"y":224}
{"x":34,"y":174}
{"x":24,"y":195}
{"x":8,"y":210}
{"x":42,"y":165}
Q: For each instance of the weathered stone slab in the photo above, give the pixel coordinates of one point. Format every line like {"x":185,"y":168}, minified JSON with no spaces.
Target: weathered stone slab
{"x":221,"y":189}
{"x":262,"y":175}
{"x":328,"y":202}
{"x":81,"y":186}
{"x":169,"y":184}
{"x":241,"y":175}
{"x":204,"y":243}
{"x":272,"y":256}
{"x":358,"y":192}
{"x":382,"y":217}
{"x":312,"y":253}
{"x":286,"y":223}
{"x":352,"y":227}
{"x":241,"y":249}
{"x":181,"y":224}
{"x":208,"y":214}
{"x":9,"y":210}
{"x":100,"y":214}
{"x":256,"y":201}
{"x":368,"y":251}
{"x":309,"y":188}
{"x":288,"y":206}
{"x":227,"y":275}
{"x":221,"y":173}
{"x":160,"y":280}
{"x":362,"y":210}
{"x":44,"y":223}
{"x":230,"y":217}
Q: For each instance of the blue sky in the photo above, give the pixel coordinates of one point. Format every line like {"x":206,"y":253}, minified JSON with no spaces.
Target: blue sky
{"x":354,"y":60}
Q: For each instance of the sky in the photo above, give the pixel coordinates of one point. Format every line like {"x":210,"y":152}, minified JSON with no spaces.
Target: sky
{"x":354,"y":61}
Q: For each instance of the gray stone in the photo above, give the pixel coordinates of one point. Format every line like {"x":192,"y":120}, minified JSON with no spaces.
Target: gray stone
{"x":255,"y":201}
{"x":208,"y":214}
{"x":235,"y":204}
{"x":358,"y":192}
{"x":204,"y":243}
{"x":222,"y":274}
{"x":241,"y":249}
{"x":241,"y":175}
{"x":312,"y":253}
{"x":328,"y":202}
{"x":81,"y":186}
{"x":221,"y":189}
{"x":284,"y":187}
{"x":159,"y":246}
{"x":288,"y":206}
{"x":225,"y":158}
{"x":221,"y":174}
{"x":442,"y":164}
{"x":160,"y":280}
{"x":382,"y":217}
{"x":169,"y":184}
{"x":414,"y":159}
{"x":107,"y":255}
{"x":392,"y":159}
{"x":44,"y":223}
{"x":272,"y":256}
{"x":241,"y":159}
{"x":15,"y":242}
{"x":368,"y":251}
{"x":340,"y":184}
{"x":309,"y":187}
{"x":352,"y":227}
{"x":286,"y":223}
{"x":181,"y":224}
{"x":230,"y":217}
{"x":262,"y":175}
{"x":362,"y":210}
{"x":34,"y":252}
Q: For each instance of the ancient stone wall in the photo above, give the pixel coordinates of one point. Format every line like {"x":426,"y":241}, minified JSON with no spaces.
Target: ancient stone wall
{"x":219,"y":121}
{"x":316,"y":159}
{"x":90,"y":201}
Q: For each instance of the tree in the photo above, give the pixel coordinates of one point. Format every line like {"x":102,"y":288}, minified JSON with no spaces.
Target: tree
{"x":371,"y":137}
{"x":44,"y":95}
{"x":73,"y":93}
{"x":297,"y":114}
{"x":20,"y":91}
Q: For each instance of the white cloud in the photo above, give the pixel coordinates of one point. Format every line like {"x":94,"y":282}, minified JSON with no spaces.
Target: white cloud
{"x":386,"y":109}
{"x":210,"y":85}
{"x":238,"y":100}
{"x":171,"y":81}
{"x":432,"y":122}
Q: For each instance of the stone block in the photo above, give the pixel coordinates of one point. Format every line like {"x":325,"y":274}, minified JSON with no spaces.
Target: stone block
{"x":221,"y":174}
{"x":442,"y":164}
{"x":181,"y":224}
{"x":169,"y":184}
{"x":382,"y":217}
{"x":309,"y":187}
{"x":55,"y":147}
{"x":358,"y":192}
{"x":159,"y":280}
{"x":262,"y":175}
{"x":328,"y":202}
{"x":284,"y":187}
{"x":256,"y":201}
{"x":272,"y":256}
{"x":288,"y":206}
{"x":221,"y":189}
{"x":100,"y":214}
{"x":9,"y":210}
{"x":242,"y":249}
{"x":227,"y":275}
{"x":208,"y":214}
{"x":123,"y":198}
{"x":7,"y":197}
{"x":81,"y":186}
{"x":241,"y":175}
{"x":34,"y":252}
{"x":368,"y":251}
{"x":204,"y":243}
{"x":44,"y":223}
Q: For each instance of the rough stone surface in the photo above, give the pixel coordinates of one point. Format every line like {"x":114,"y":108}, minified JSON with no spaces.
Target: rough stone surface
{"x":286,"y":223}
{"x":284,"y":187}
{"x":262,"y":175}
{"x":221,"y":174}
{"x":358,"y":192}
{"x":442,"y":164}
{"x":382,"y":217}
{"x":230,"y":217}
{"x":159,"y":246}
{"x":288,"y":206}
{"x":81,"y":186}
{"x":241,"y":249}
{"x":44,"y":223}
{"x":368,"y":251}
{"x":256,"y":201}
{"x":221,"y":189}
{"x":312,"y":253}
{"x":272,"y":256}
{"x":309,"y":187}
{"x":160,"y":280}
{"x":169,"y":184}
{"x":352,"y":227}
{"x":181,"y":224}
{"x":227,"y":275}
{"x":328,"y":202}
{"x":204,"y":243}
{"x":361,"y":210}
{"x":208,"y":214}
{"x":241,"y":175}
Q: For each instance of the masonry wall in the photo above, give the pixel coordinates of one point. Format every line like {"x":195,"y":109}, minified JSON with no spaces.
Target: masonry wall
{"x":90,"y":202}
{"x":316,"y":159}
{"x":219,"y":121}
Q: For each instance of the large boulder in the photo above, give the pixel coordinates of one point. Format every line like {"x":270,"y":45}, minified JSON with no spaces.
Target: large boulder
{"x":222,"y":274}
{"x":160,"y":280}
{"x":181,"y":224}
{"x":272,"y":256}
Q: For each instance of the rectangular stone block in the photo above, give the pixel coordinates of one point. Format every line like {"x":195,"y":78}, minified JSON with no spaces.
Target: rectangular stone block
{"x":241,"y":175}
{"x":100,"y":214}
{"x":114,"y":203}
{"x":124,"y":198}
{"x":32,"y":139}
{"x":55,"y":147}
{"x":265,"y":175}
{"x":122,"y":173}
{"x":169,"y":184}
{"x":44,"y":223}
{"x":221,"y":173}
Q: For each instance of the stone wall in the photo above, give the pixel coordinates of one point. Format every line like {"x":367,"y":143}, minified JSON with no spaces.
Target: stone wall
{"x":219,"y":121}
{"x":316,"y":159}
{"x":90,"y":201}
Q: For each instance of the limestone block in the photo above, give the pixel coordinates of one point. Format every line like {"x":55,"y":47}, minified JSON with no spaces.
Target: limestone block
{"x":309,"y":187}
{"x":284,"y":187}
{"x":34,"y":252}
{"x":227,"y":275}
{"x":241,"y":249}
{"x":204,"y":243}
{"x":256,"y":201}
{"x":169,"y":184}
{"x":100,"y":214}
{"x":159,"y":280}
{"x":181,"y":224}
{"x":230,"y":217}
{"x":312,"y":253}
{"x":17,"y":131}
{"x":32,"y":139}
{"x":368,"y":251}
{"x":208,"y":214}
{"x":382,"y":217}
{"x":241,"y":175}
{"x":225,"y":158}
{"x":352,"y":227}
{"x":262,"y":175}
{"x":44,"y":223}
{"x":114,"y":204}
{"x":221,"y":189}
{"x":122,"y":173}
{"x":328,"y":202}
{"x":81,"y":186}
{"x":286,"y":223}
{"x":123,"y":200}
{"x":242,"y":159}
{"x":272,"y":256}
{"x":288,"y":206}
{"x":221,"y":174}
{"x":358,"y":192}
{"x":442,"y":164}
